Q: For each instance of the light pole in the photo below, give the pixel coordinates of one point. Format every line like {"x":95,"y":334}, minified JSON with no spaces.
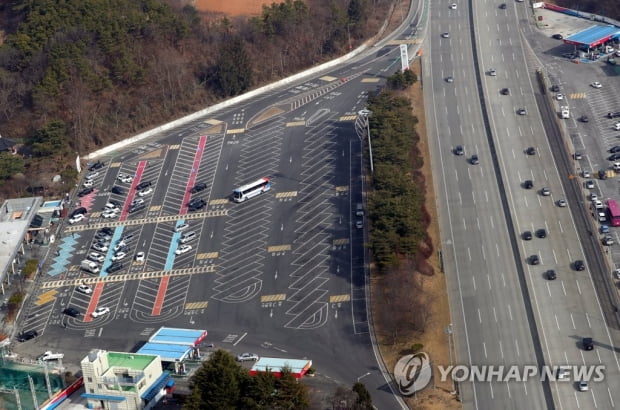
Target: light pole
{"x":362,"y":376}
{"x":367,"y":113}
{"x":448,"y":331}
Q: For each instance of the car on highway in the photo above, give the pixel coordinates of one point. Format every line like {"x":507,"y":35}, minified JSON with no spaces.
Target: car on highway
{"x":522,"y":111}
{"x":577,"y":156}
{"x":608,"y":240}
{"x":583,"y":385}
{"x":545,"y":191}
{"x":597,"y":204}
{"x":528,"y":184}
{"x":586,"y":173}
{"x":554,"y":88}
{"x":183,"y":249}
{"x":474,"y":160}
{"x":579,"y":265}
{"x":140,"y":256}
{"x":450,"y":79}
{"x":527,"y":235}
{"x":541,"y":233}
{"x":119,"y":256}
{"x":534,"y":260}
{"x":561,"y":203}
{"x":604,"y":228}
{"x":244,"y":357}
{"x":505,"y":91}
{"x":602,"y":217}
{"x":562,"y":373}
{"x":551,"y":275}
{"x":587,"y":343}
{"x":29,"y":335}
{"x":77,"y":218}
{"x":181,"y":227}
{"x":71,"y":311}
{"x":459,"y":150}
{"x":590,"y":184}
{"x":100,"y":247}
{"x":87,"y":290}
{"x":559,"y":96}
{"x":85,"y":192}
{"x":359,"y":224}
{"x":492,"y":72}
{"x":558,"y":37}
{"x":145,"y":192}
{"x":100,"y":311}
{"x":593,"y":196}
{"x":502,"y":6}
{"x":95,"y":257}
{"x":530,"y":151}
{"x":445,"y":35}
{"x":453,"y":6}
{"x":596,"y":84}
{"x":584,"y":118}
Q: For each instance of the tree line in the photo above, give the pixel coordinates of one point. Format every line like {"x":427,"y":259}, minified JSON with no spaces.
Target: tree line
{"x":76,"y":75}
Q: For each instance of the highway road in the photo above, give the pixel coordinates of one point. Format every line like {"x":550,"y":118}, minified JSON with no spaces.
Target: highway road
{"x":283,"y":274}
{"x":558,"y":313}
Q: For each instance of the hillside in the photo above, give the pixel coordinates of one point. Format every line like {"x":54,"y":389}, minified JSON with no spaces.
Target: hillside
{"x":77,"y":75}
{"x":608,"y":8}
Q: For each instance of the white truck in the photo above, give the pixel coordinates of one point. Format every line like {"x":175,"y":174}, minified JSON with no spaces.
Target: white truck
{"x":50,"y":356}
{"x":89,"y":266}
{"x":564,"y":112}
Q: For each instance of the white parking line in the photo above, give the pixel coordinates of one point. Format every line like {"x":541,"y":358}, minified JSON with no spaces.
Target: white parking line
{"x":563,"y":288}
{"x":484,"y":347}
{"x":572,"y":319}
{"x":479,"y":316}
{"x":509,"y":312}
{"x":517,"y":347}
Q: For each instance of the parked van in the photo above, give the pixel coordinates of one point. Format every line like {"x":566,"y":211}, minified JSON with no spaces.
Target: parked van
{"x":136,"y":208}
{"x":187,"y":237}
{"x":115,"y":267}
{"x":89,"y":266}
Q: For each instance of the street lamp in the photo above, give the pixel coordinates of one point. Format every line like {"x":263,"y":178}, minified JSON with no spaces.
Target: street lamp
{"x":365,"y":114}
{"x":449,"y":332}
{"x":362,"y":376}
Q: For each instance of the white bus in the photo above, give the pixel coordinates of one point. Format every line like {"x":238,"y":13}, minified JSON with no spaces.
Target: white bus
{"x":251,"y":190}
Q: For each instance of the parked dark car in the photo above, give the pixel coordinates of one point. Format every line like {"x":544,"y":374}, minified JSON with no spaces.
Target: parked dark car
{"x":96,"y":165}
{"x":528,"y":184}
{"x":117,"y":190}
{"x":70,"y":311}
{"x":534,"y":260}
{"x":115,"y":267}
{"x":107,"y":230}
{"x":541,"y":233}
{"x":614,"y":157}
{"x":31,"y":334}
{"x":555,"y":88}
{"x":143,"y":185}
{"x":505,"y":91}
{"x":611,"y":115}
{"x":579,"y":265}
{"x":78,"y":211}
{"x":587,"y":343}
{"x":474,"y":159}
{"x":527,"y":235}
{"x":198,"y":187}
{"x":584,"y":118}
{"x":194,"y":206}
{"x":558,"y":36}
{"x":136,"y":208}
{"x":551,"y":274}
{"x":530,"y":151}
{"x":614,"y":149}
{"x":459,"y":150}
{"x":602,"y":174}
{"x":85,"y":192}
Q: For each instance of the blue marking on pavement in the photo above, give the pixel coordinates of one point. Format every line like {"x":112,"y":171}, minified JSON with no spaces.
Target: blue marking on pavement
{"x":173,"y":247}
{"x":118,"y":232}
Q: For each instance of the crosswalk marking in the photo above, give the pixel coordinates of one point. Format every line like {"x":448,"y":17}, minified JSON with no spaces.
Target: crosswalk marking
{"x":236,"y":131}
{"x":46,"y":297}
{"x":286,"y":194}
{"x":296,"y":124}
{"x":273,"y":298}
{"x":174,"y":146}
{"x":339,"y":298}
{"x":340,"y":242}
{"x":207,"y":255}
{"x":213,"y":121}
{"x":196,"y":305}
{"x":328,"y":78}
{"x":278,"y":248}
{"x":54,"y":284}
{"x":370,"y":80}
{"x":576,"y":96}
{"x":222,"y":201}
{"x":347,"y":118}
{"x":342,"y":188}
{"x":156,"y":219}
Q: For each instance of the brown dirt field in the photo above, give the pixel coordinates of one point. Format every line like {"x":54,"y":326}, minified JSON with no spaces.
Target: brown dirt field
{"x":434,"y":339}
{"x":233,"y":7}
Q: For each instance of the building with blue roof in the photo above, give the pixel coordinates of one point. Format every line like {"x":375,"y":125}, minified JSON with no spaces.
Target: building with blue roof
{"x":174,"y":345}
{"x":593,"y":36}
{"x":275,"y":365}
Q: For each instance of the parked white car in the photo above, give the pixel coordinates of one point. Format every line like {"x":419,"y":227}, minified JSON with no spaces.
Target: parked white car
{"x":100,"y":311}
{"x":596,"y":84}
{"x":183,"y":249}
{"x":244,"y":357}
{"x":87,"y":290}
{"x":77,"y":218}
{"x":146,"y":191}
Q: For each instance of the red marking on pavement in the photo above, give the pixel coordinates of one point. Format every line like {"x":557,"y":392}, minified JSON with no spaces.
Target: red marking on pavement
{"x":192,"y":176}
{"x":94,"y":300}
{"x":161,"y":294}
{"x":132,"y":190}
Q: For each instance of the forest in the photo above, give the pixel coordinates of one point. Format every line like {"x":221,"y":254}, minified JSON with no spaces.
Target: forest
{"x":78,"y":75}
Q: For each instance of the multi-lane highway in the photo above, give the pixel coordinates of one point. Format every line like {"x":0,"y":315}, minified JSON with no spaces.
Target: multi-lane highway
{"x":483,"y":228}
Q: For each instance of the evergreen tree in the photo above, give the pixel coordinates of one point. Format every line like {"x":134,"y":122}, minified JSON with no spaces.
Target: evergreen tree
{"x":363,"y":401}
{"x":232,"y":74}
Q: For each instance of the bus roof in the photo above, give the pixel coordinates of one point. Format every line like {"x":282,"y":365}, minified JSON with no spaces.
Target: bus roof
{"x":614,"y":209}
{"x":253,"y":184}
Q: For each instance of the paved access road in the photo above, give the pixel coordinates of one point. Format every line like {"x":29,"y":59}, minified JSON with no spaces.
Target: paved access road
{"x":282,"y":274}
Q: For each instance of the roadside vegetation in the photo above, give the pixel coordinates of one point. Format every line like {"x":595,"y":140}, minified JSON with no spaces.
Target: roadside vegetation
{"x":78,"y":75}
{"x":222,"y":383}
